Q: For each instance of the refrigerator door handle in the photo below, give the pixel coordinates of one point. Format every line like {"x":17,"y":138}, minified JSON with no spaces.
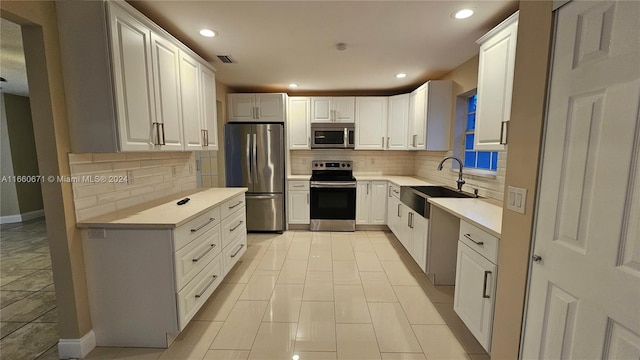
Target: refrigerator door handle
{"x":255,"y":158}
{"x":249,"y":158}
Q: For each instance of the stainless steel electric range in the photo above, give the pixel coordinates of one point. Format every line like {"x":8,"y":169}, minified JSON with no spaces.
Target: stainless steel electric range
{"x":333,"y":196}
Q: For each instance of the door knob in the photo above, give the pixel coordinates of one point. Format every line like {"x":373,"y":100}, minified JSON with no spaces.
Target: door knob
{"x":536,"y":258}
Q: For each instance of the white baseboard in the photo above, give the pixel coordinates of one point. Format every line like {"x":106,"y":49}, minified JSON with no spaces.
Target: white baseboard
{"x":77,"y":348}
{"x":10,"y":219}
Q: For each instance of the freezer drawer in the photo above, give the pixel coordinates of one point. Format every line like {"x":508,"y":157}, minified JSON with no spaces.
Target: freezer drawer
{"x":265,"y":212}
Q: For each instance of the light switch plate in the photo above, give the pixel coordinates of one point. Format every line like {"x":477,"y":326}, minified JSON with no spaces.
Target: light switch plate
{"x":95,"y":233}
{"x":516,"y":199}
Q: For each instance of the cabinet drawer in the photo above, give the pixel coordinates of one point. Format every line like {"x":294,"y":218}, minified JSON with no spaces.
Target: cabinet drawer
{"x":298,"y":185}
{"x":233,"y":225}
{"x":230,"y":206}
{"x":479,"y":240}
{"x":235,"y":250}
{"x":196,"y":255}
{"x":186,"y":233}
{"x":197,"y":291}
{"x":394,"y":190}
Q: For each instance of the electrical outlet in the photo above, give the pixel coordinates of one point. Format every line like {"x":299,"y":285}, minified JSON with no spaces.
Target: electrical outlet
{"x":190,"y":169}
{"x":516,"y":199}
{"x":97,"y":233}
{"x":129,"y":177}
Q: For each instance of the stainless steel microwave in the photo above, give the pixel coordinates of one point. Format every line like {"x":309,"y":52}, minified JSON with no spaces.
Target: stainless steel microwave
{"x":333,"y":135}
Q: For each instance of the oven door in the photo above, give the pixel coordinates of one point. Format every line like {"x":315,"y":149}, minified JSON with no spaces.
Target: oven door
{"x":333,"y":200}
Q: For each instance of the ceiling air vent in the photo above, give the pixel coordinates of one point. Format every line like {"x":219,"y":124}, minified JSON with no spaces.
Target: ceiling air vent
{"x":227,"y":59}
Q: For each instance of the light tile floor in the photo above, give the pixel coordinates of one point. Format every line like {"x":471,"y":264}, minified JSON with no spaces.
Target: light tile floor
{"x":28,"y":314}
{"x":321,"y":295}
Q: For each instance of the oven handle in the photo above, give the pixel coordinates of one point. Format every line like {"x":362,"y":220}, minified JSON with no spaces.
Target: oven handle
{"x":333,"y":184}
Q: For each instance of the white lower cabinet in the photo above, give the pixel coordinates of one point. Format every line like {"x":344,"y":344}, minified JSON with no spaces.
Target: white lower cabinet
{"x":371,"y":203}
{"x":419,"y":227}
{"x":408,"y":226}
{"x":476,"y":278}
{"x":145,"y":284}
{"x":298,"y":199}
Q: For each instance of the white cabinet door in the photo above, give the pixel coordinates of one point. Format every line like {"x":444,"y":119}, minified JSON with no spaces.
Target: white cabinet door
{"x":343,"y":109}
{"x":430,"y":116}
{"x":241,"y":107}
{"x":378,"y":212}
{"x":321,"y":109}
{"x":404,"y":231}
{"x":270,"y":107}
{"x":495,"y":85}
{"x":190,"y":95}
{"x":133,"y":79}
{"x":298,"y":122}
{"x":419,"y":230}
{"x":209,"y":115}
{"x":475,"y":293}
{"x":392,"y":212}
{"x":418,"y":117}
{"x":371,"y":122}
{"x":398,"y":122}
{"x":166,"y":75}
{"x":298,"y":207}
{"x":363,"y":202}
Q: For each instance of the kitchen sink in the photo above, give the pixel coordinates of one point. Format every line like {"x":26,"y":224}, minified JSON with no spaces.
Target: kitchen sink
{"x":416,"y":197}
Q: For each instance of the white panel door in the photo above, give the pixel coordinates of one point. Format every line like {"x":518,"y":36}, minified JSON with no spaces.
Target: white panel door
{"x":584,"y":290}
{"x":343,"y":109}
{"x":298,"y":207}
{"x":398,"y":122}
{"x":321,"y":109}
{"x":190,"y":95}
{"x":418,"y":119}
{"x":133,"y":79}
{"x":298,"y":122}
{"x":419,"y":230}
{"x":371,"y":122}
{"x":378,"y":212}
{"x":270,"y":107}
{"x":166,"y":75}
{"x":363,"y":202}
{"x":241,"y":107}
{"x":209,"y":116}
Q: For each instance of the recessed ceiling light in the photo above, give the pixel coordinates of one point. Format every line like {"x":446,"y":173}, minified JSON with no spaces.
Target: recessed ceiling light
{"x":208,"y":33}
{"x":293,"y":86}
{"x":463,"y":14}
{"x":401,"y":75}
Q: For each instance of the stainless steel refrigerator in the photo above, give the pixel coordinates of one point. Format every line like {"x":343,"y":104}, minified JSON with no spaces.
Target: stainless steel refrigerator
{"x":254,"y":158}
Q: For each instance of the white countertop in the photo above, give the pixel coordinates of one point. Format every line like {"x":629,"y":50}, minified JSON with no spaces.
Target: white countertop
{"x":299,"y":177}
{"x":165,"y":212}
{"x":476,"y":211}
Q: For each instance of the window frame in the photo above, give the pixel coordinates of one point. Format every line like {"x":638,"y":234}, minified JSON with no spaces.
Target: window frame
{"x":493,"y":159}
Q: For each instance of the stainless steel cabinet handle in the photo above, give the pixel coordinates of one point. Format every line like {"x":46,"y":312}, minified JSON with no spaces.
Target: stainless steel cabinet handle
{"x":213,"y":279}
{"x":163,"y":139}
{"x":237,"y":226}
{"x":236,"y":205}
{"x":383,"y":142}
{"x":503,"y":124}
{"x":195,"y":259}
{"x":468,"y":236}
{"x":411,"y":220}
{"x":204,"y":138}
{"x":249,"y":158}
{"x":298,"y":186}
{"x":484,"y":286}
{"x":399,"y":210}
{"x":236,"y":253}
{"x":389,"y":191}
{"x":156,"y":125}
{"x":388,"y":140}
{"x":396,"y":191}
{"x":415,"y":140}
{"x":367,"y":188}
{"x":203,"y":225}
{"x":307,"y":198}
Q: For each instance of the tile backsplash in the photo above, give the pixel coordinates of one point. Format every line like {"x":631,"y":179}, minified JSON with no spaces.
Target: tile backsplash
{"x":372,"y":162}
{"x":103,"y":183}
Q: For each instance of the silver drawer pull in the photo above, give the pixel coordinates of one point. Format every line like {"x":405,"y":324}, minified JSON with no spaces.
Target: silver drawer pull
{"x":213,"y":279}
{"x":298,"y":185}
{"x":195,"y":259}
{"x":203,"y":225}
{"x":236,"y":253}
{"x":239,"y":202}
{"x":468,"y":236}
{"x":237,"y":226}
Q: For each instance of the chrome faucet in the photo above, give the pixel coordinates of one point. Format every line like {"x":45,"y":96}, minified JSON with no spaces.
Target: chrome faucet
{"x":460,"y":181}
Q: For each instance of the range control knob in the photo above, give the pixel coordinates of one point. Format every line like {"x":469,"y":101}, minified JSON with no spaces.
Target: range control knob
{"x":321,"y":165}
{"x":348,"y":165}
{"x":343,"y":165}
{"x":316,"y":165}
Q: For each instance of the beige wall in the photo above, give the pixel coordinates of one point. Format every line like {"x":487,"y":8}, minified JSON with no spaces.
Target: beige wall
{"x":8,"y":194}
{"x":42,"y":53}
{"x":23,"y":151}
{"x":221,"y":94}
{"x":525,"y":134}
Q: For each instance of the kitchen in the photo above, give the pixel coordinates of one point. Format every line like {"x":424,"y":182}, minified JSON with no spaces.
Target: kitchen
{"x":419,"y":163}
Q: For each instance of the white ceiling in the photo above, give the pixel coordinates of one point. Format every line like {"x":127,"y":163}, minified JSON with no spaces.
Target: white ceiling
{"x":12,"y":66}
{"x":279,"y":42}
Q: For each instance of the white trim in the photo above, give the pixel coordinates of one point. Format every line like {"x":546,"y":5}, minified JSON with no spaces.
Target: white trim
{"x":77,"y":348}
{"x":9,"y":219}
{"x":33,"y":215}
{"x":510,"y":20}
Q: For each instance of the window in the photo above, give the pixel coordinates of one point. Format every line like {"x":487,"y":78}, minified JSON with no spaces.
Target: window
{"x":484,"y":160}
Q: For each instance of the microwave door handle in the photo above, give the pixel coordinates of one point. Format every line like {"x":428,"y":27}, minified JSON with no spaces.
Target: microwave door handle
{"x":346,"y":137}
{"x":248,"y":152}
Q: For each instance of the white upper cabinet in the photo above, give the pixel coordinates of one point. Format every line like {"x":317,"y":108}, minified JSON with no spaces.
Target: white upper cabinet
{"x":124,"y":82}
{"x":398,"y":122}
{"x":430,"y":116}
{"x":298,"y":123}
{"x":371,"y":122}
{"x":495,"y":84}
{"x":333,"y":109}
{"x":166,"y":75}
{"x":209,"y":113}
{"x":256,"y":107}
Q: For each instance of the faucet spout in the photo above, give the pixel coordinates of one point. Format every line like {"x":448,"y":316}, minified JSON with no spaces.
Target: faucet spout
{"x":460,"y":181}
